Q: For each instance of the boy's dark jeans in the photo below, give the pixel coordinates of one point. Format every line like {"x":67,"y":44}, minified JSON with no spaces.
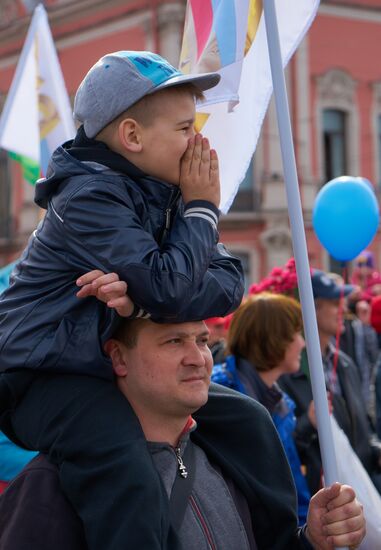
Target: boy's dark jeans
{"x":87,"y":427}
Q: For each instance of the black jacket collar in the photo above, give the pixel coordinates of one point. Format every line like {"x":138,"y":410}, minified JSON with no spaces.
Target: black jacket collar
{"x":85,"y":149}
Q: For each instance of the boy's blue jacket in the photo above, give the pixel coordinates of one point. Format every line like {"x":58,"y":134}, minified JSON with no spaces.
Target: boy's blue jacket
{"x":104,"y":213}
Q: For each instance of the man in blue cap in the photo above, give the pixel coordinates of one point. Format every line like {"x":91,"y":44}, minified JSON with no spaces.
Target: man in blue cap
{"x":343,"y":384}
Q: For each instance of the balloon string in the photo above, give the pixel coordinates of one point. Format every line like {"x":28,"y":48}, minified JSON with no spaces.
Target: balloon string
{"x":338,"y":329}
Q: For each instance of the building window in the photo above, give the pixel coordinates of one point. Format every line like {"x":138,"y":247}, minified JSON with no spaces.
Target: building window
{"x":246,"y":261}
{"x":334,"y":137}
{"x":244,"y":200}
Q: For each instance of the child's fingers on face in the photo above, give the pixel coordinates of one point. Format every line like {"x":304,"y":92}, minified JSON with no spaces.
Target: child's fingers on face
{"x":197,"y":151}
{"x":205,"y":160}
{"x":214,"y":168}
{"x":187,"y":156}
{"x":186,"y":159}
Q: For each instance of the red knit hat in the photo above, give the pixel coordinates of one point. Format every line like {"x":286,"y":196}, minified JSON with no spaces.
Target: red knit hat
{"x":375,"y":314}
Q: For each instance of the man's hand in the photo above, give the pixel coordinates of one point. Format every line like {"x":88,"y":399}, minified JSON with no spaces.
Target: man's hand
{"x":335,"y":518}
{"x":108,"y":289}
{"x":199,"y":174}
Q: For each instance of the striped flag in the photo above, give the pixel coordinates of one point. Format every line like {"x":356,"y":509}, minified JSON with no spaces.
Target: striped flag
{"x":229,"y":36}
{"x":37,"y":115}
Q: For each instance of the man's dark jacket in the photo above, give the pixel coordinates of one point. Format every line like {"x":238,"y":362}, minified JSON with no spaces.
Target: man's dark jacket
{"x":34,"y":515}
{"x":104,"y":213}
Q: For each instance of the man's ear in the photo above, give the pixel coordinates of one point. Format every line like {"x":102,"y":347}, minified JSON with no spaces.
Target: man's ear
{"x":130,"y":135}
{"x":114,"y":350}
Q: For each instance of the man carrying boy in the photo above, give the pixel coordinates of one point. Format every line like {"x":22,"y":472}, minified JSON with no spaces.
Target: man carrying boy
{"x":243,"y":499}
{"x":135,"y":193}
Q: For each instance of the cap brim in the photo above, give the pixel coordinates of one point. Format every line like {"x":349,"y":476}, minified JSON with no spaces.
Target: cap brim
{"x":342,"y":290}
{"x":202,"y":81}
{"x":332,"y":293}
{"x":347,"y":289}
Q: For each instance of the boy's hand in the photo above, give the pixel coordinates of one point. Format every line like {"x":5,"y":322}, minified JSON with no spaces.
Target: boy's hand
{"x":108,"y":289}
{"x":199,"y":174}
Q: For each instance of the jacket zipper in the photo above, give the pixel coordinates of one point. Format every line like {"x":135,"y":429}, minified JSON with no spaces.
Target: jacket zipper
{"x":168,"y":218}
{"x":180,"y":464}
{"x":167,"y":213}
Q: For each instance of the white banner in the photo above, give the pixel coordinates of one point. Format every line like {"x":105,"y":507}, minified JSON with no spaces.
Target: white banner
{"x":234,"y":132}
{"x":37,"y":115}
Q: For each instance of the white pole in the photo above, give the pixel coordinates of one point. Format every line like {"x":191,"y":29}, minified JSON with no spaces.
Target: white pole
{"x":300,"y":248}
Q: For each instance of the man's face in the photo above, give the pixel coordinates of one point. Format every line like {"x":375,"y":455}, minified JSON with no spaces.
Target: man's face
{"x":327,"y":316}
{"x":166,"y":139}
{"x":363,"y":311}
{"x":168,"y":371}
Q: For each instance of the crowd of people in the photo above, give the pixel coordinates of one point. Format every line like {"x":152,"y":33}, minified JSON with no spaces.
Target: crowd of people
{"x":266,"y":359}
{"x":105,"y":364}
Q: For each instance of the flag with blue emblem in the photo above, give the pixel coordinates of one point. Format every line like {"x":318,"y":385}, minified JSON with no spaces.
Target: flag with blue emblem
{"x":37,"y":115}
{"x":229,"y":37}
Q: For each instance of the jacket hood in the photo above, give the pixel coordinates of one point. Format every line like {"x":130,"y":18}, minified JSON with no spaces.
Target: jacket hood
{"x":76,"y":157}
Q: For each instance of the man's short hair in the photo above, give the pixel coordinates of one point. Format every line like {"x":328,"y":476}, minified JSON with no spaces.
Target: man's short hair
{"x":263,"y":327}
{"x":128,"y":331}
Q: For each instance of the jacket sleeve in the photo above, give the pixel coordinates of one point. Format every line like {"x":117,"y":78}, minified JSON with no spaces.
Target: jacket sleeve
{"x":35,"y":514}
{"x":188,"y":277}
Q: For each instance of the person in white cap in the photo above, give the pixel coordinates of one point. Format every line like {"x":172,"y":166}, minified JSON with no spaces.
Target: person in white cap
{"x":135,"y":193}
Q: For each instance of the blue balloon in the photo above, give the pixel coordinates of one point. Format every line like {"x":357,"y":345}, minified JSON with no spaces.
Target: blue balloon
{"x":369,"y":183}
{"x":345,"y":216}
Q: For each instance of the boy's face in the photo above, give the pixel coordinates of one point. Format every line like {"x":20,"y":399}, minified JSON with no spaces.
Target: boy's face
{"x":166,"y":138}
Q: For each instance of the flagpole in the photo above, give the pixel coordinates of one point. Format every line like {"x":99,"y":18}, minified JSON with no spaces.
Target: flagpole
{"x":300,"y":248}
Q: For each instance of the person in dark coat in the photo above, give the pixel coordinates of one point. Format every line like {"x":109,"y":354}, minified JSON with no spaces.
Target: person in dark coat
{"x":343,"y":384}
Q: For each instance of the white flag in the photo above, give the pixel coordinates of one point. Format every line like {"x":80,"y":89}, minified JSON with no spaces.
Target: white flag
{"x":229,"y":36}
{"x":37,"y":115}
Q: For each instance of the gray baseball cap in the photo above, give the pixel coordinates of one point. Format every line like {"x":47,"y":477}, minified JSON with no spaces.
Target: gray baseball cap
{"x":120,"y":79}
